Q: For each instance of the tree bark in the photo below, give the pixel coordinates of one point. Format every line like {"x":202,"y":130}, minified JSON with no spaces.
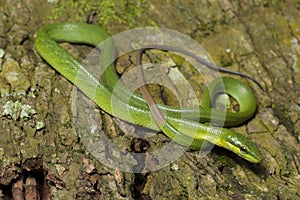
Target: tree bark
{"x":260,"y":38}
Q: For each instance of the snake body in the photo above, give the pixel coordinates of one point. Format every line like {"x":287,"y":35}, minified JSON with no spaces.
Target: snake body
{"x":187,"y":131}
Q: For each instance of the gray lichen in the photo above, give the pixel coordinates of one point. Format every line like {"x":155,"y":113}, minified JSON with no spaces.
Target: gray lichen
{"x":17,"y":110}
{"x":2,"y":52}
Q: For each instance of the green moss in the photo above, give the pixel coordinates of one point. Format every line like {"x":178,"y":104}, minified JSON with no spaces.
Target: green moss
{"x":107,"y":11}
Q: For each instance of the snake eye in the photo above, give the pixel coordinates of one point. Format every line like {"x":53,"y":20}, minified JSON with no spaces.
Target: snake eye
{"x":243,"y":149}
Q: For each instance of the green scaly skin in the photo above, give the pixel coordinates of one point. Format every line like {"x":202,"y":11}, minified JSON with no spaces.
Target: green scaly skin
{"x":186,"y":132}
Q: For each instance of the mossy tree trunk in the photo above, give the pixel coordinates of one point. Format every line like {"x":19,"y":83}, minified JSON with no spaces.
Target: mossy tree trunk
{"x":261,"y":38}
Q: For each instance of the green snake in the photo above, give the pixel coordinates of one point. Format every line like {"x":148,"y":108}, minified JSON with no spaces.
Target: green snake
{"x":186,"y":132}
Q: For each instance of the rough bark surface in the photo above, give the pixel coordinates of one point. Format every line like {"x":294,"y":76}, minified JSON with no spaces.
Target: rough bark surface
{"x":40,"y":148}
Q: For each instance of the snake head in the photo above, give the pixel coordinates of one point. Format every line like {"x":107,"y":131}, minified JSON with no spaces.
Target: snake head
{"x":242,"y":146}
